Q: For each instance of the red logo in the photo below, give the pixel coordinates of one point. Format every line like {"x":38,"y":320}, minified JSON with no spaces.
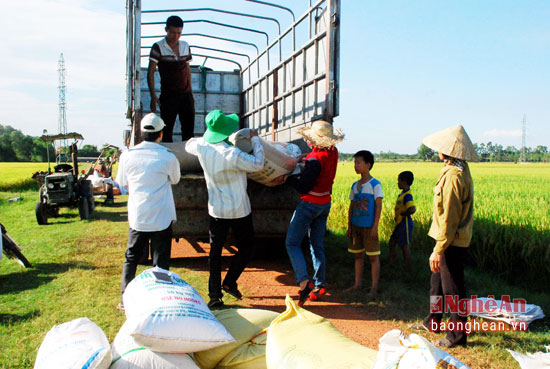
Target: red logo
{"x":436,"y":304}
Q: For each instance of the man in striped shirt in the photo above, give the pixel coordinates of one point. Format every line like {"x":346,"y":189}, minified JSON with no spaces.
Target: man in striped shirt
{"x":225,"y":168}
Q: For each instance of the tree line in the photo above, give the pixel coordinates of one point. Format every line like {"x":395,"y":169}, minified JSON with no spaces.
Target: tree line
{"x":16,"y":146}
{"x":488,"y":152}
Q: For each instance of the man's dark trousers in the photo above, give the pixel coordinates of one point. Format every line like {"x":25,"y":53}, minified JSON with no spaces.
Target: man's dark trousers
{"x":174,"y":104}
{"x":450,"y":282}
{"x":243,"y":232}
{"x":138,"y":250}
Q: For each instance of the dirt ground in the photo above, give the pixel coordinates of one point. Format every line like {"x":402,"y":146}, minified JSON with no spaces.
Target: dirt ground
{"x":265,"y":283}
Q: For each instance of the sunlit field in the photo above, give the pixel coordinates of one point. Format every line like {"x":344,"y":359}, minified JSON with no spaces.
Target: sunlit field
{"x":512,"y":212}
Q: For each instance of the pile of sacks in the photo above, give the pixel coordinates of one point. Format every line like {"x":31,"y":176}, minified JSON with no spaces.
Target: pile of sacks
{"x":168,"y":326}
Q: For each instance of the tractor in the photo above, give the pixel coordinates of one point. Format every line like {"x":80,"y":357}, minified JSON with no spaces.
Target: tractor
{"x":65,"y":186}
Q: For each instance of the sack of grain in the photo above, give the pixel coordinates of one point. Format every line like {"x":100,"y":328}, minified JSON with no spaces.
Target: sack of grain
{"x":166,"y":314}
{"x":299,"y":339}
{"x":280,"y":158}
{"x":128,"y":354}
{"x":79,"y":343}
{"x":243,"y":325}
{"x":249,"y":355}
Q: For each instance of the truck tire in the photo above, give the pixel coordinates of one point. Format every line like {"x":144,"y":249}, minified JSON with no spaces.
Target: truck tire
{"x":41,"y":213}
{"x":83,"y":208}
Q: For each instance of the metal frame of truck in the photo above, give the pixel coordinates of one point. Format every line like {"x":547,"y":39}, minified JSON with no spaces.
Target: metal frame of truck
{"x":288,"y":83}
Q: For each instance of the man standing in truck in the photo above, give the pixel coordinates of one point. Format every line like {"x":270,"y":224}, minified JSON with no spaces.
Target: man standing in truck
{"x":172,"y":56}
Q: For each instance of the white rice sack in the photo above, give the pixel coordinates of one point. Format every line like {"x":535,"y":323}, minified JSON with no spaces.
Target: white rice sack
{"x":128,"y":354}
{"x":79,"y":343}
{"x":170,"y":317}
{"x":279,"y":159}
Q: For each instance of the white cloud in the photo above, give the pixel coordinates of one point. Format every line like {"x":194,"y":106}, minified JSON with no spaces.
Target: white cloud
{"x":502,"y":133}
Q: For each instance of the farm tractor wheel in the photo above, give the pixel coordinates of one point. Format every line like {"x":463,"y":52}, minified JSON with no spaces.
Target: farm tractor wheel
{"x":41,"y":213}
{"x":83,"y":208}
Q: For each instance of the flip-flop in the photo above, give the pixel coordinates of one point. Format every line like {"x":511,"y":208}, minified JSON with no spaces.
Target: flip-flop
{"x":419,"y":327}
{"x":233,"y":292}
{"x":444,"y":342}
{"x":215,"y":303}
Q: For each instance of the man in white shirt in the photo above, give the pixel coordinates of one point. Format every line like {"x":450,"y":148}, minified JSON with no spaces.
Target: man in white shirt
{"x":225,"y":169}
{"x":148,"y":170}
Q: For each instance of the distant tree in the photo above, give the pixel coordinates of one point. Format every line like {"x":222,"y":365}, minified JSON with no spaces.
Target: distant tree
{"x":425,"y":153}
{"x":88,"y":150}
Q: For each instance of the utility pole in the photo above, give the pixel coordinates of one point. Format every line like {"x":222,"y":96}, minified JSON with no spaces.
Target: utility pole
{"x":523,"y":157}
{"x":62,"y":119}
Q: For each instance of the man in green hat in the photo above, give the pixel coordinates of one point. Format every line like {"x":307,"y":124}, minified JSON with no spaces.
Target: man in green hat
{"x":225,"y":171}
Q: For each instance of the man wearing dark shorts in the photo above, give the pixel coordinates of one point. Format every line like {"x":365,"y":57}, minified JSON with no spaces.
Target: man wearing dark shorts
{"x":172,"y":56}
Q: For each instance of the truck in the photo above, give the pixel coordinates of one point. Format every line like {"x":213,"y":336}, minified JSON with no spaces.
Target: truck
{"x":276,"y":88}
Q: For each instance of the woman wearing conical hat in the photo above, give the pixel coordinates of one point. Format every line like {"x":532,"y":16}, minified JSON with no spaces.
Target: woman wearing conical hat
{"x":451,"y":228}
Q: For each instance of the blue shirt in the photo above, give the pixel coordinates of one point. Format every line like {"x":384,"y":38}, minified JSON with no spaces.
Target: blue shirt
{"x":363,"y":202}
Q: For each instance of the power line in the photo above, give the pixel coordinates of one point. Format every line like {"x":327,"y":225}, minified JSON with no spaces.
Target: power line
{"x":62,"y":119}
{"x":523,"y":157}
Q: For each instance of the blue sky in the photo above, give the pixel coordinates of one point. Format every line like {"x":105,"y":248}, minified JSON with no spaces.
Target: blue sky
{"x":407,"y":68}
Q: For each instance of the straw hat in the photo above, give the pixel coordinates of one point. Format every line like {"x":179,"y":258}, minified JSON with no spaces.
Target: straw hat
{"x":453,"y":142}
{"x":321,"y":134}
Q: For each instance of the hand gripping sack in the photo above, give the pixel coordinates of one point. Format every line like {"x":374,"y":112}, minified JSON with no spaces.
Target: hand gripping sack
{"x":279,"y":157}
{"x":128,"y":354}
{"x":170,"y":317}
{"x":301,"y":339}
{"x":413,"y":352}
{"x":242,"y":324}
{"x":77,"y":344}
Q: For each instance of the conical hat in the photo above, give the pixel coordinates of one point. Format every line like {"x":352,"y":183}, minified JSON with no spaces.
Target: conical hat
{"x":453,"y":142}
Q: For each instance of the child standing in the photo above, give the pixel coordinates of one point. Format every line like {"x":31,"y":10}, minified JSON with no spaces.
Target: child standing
{"x":404,"y":208}
{"x":363,"y":217}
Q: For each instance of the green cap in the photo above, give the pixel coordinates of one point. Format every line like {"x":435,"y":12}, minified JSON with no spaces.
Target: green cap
{"x":219,"y":126}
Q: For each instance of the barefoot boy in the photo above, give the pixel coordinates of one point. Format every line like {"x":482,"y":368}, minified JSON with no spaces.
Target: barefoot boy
{"x":363,"y":217}
{"x":404,"y":208}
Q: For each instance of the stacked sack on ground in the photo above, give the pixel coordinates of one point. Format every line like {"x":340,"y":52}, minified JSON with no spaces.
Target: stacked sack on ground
{"x":169,"y":326}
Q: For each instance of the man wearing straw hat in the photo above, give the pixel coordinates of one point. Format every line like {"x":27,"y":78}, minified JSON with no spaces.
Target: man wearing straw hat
{"x":315,"y":187}
{"x":225,"y":169}
{"x":452,"y":224}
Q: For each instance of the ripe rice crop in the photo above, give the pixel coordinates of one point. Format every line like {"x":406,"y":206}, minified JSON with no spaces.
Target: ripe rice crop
{"x":512,"y":213}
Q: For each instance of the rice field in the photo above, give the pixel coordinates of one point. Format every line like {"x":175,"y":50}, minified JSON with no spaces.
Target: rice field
{"x":512,"y":213}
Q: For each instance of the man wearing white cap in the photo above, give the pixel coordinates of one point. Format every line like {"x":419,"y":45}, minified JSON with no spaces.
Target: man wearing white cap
{"x":452,"y":225}
{"x":148,"y":170}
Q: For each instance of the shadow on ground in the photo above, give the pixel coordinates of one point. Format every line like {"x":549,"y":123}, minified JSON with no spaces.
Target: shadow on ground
{"x":36,"y":276}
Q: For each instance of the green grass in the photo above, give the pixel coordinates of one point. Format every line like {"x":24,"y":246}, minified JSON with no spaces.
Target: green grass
{"x":77,"y":264}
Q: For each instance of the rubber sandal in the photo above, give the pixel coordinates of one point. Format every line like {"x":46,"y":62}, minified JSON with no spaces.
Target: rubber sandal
{"x":317,"y":293}
{"x":304,"y":294}
{"x":447,"y":344}
{"x":419,"y":327}
{"x":215,"y":303}
{"x":233,"y":292}
{"x":120,"y":306}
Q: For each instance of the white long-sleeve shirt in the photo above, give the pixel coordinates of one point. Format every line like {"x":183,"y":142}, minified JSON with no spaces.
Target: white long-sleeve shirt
{"x":149,"y":170}
{"x":225,"y":168}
